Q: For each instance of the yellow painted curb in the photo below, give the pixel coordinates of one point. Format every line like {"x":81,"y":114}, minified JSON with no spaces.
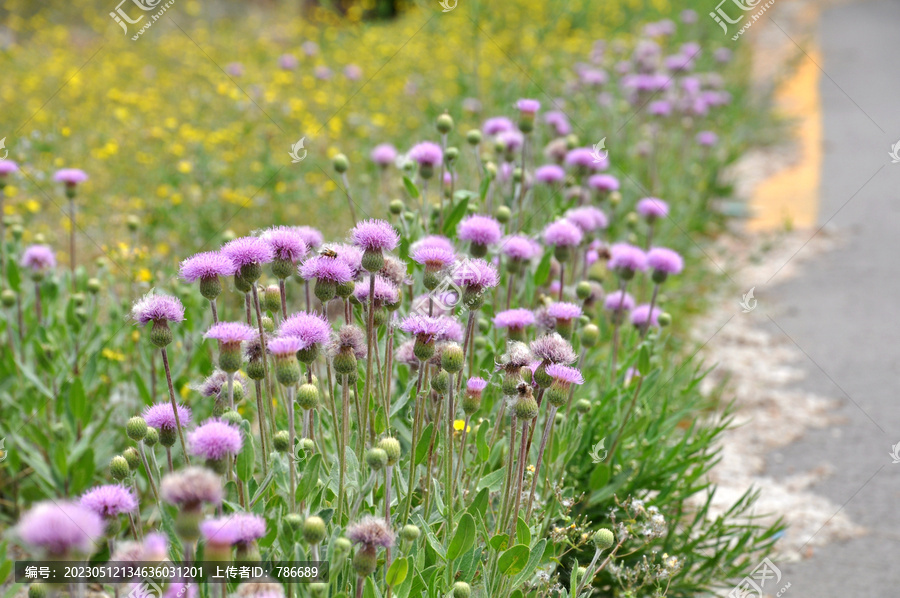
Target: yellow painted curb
{"x":790,"y":197}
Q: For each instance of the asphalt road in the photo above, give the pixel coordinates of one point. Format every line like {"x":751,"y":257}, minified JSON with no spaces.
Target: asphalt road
{"x":839,"y":310}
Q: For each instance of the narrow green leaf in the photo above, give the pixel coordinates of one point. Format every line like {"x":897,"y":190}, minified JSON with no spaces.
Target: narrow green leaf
{"x":432,"y":539}
{"x":523,"y":534}
{"x":455,"y":216}
{"x":492,"y":481}
{"x":246,"y":460}
{"x":411,"y":187}
{"x":463,"y":538}
{"x":397,"y":571}
{"x":424,"y":443}
{"x":533,"y":561}
{"x":543,"y":270}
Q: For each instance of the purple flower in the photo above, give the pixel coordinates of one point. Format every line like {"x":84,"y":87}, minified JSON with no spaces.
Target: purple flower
{"x":582,"y":157}
{"x":426,"y":153}
{"x":587,"y":218}
{"x":206,"y":265}
{"x":603,"y":182}
{"x":625,"y":257}
{"x":237,"y":528}
{"x":235,"y":69}
{"x":385,"y":292}
{"x":38,"y":258}
{"x":353,"y":72}
{"x":665,"y":260}
{"x":476,"y":274}
{"x":617,"y":301}
{"x":405,"y":353}
{"x":476,"y":384}
{"x":660,"y":108}
{"x":311,"y":236}
{"x":516,"y":319}
{"x":212,"y":387}
{"x":310,"y":48}
{"x":7,"y":166}
{"x":707,"y":138}
{"x":351,"y":337}
{"x":594,"y":77}
{"x":553,"y":348}
{"x":559,"y":122}
{"x":565,"y":374}
{"x":641,"y":315}
{"x":688,"y":16}
{"x":326,"y":268}
{"x":61,"y":527}
{"x":70,"y":176}
{"x":426,"y":329}
{"x":481,"y":230}
{"x":564,"y":311}
{"x":286,"y":242}
{"x":109,"y":500}
{"x":528,"y":106}
{"x":190,"y":487}
{"x":311,"y":328}
{"x":549,"y":174}
{"x":433,"y":241}
{"x":375,"y":235}
{"x":350,"y":255}
{"x":285,"y":346}
{"x":371,"y":532}
{"x":433,"y":257}
{"x":497,"y":125}
{"x":384,"y":154}
{"x":162,"y":417}
{"x":230,"y":333}
{"x":518,"y":247}
{"x":652,"y":208}
{"x":722,"y":54}
{"x":288,"y":62}
{"x":157,"y":308}
{"x":215,"y":439}
{"x":511,"y":140}
{"x":562,"y":233}
{"x":453,"y":330}
{"x":246,"y":251}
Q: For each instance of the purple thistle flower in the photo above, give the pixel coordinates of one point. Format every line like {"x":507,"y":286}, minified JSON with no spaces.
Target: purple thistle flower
{"x":528,"y":106}
{"x":652,"y":208}
{"x":641,"y":315}
{"x":109,"y":500}
{"x":288,"y":62}
{"x":518,"y":247}
{"x":384,"y":154}
{"x":161,"y":416}
{"x":438,"y":241}
{"x":327,"y":268}
{"x":285,"y":346}
{"x":386,"y":292}
{"x":604,"y":183}
{"x":350,"y":337}
{"x":212,"y":386}
{"x":215,"y":439}
{"x":660,"y":108}
{"x":511,"y":140}
{"x":231,"y":332}
{"x":625,"y":257}
{"x":426,"y":329}
{"x":70,"y":176}
{"x":426,"y":154}
{"x":564,"y":374}
{"x":564,"y":311}
{"x":722,"y":54}
{"x":515,"y":319}
{"x":7,"y":167}
{"x":549,"y":174}
{"x":497,"y":125}
{"x":559,"y":122}
{"x":206,"y":265}
{"x":234,"y":529}
{"x":476,"y":384}
{"x":453,"y":330}
{"x":61,"y":527}
{"x":371,"y":532}
{"x":481,"y":230}
{"x":587,"y":218}
{"x":246,"y":251}
{"x":405,"y":353}
{"x":157,"y":308}
{"x":286,"y":243}
{"x":375,"y":235}
{"x":311,"y":328}
{"x":594,"y":77}
{"x":582,"y":157}
{"x":433,"y":257}
{"x":707,"y":138}
{"x":476,"y":273}
{"x":190,"y":487}
{"x":311,"y":236}
{"x":617,"y":301}
{"x":553,"y":348}
{"x":665,"y":260}
{"x":562,"y":233}
{"x":38,"y":258}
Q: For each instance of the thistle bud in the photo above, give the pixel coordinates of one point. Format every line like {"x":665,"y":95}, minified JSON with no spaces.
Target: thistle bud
{"x":340,"y":163}
{"x":118,"y":468}
{"x":452,"y":358}
{"x":342,"y":545}
{"x":444,"y":123}
{"x":93,"y":286}
{"x":373,"y":260}
{"x":233,"y":417}
{"x":396,"y":207}
{"x":526,"y":408}
{"x":307,"y":445}
{"x":294,"y":521}
{"x":423,"y":350}
{"x":451,"y":154}
{"x":241,"y":285}
{"x":582,"y":406}
{"x":287,"y":370}
{"x":8,"y":297}
{"x":308,"y":396}
{"x":133,"y":458}
{"x":136,"y":428}
{"x":230,"y":357}
{"x":440,"y":382}
{"x":502,"y":214}
{"x":590,"y":335}
{"x":603,"y":539}
{"x":664,"y":319}
{"x":365,"y":561}
{"x":37,"y":590}
{"x":133,"y":222}
{"x":160,"y":334}
{"x":376,"y":458}
{"x":409,"y":533}
{"x":314,"y":530}
{"x":461,"y":590}
{"x":282,"y":441}
{"x":583,"y":290}
{"x":473,"y":137}
{"x":255,"y":371}
{"x":325,"y":290}
{"x":272,"y":299}
{"x":345,"y":361}
{"x":168,"y":437}
{"x":391,"y":448}
{"x":318,"y":589}
{"x":491,"y":170}
{"x":152,"y":437}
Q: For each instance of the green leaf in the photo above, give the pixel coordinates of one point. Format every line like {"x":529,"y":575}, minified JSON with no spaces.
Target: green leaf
{"x":432,"y":539}
{"x":463,"y":539}
{"x":533,"y":561}
{"x":454,"y":217}
{"x":309,"y":477}
{"x":411,"y":187}
{"x":492,"y":481}
{"x":14,"y":275}
{"x":523,"y":534}
{"x":246,"y":459}
{"x":543,"y":270}
{"x":78,"y":402}
{"x":479,"y":503}
{"x":644,"y":361}
{"x":397,"y":571}
{"x":424,"y":443}
{"x":499,"y":542}
{"x":481,"y":444}
{"x":513,"y":560}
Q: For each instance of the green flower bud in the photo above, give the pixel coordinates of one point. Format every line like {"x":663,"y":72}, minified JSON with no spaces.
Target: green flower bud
{"x":152,"y":437}
{"x":287,"y":370}
{"x":233,"y":417}
{"x":582,"y":406}
{"x":503,"y":214}
{"x":409,"y":533}
{"x":365,"y":561}
{"x":342,"y":545}
{"x":318,"y":589}
{"x":340,"y":163}
{"x":294,"y":521}
{"x":307,"y":445}
{"x":473,"y":137}
{"x":664,"y":319}
{"x":37,"y":590}
{"x":309,"y":354}
{"x":345,"y":361}
{"x":452,"y":359}
{"x":168,"y":437}
{"x":93,"y":286}
{"x":372,"y":260}
{"x":271,"y":298}
{"x":230,"y":357}
{"x":590,"y":335}
{"x":424,"y":351}
{"x":461,"y":590}
{"x":308,"y":396}
{"x":255,"y":371}
{"x":444,"y":123}
{"x":376,"y":458}
{"x":451,"y":155}
{"x":440,"y":382}
{"x":136,"y":428}
{"x":526,"y":406}
{"x":118,"y":468}
{"x":241,"y":285}
{"x":583,"y":290}
{"x":314,"y":530}
{"x":8,"y":297}
{"x":325,"y":290}
{"x":210,"y":287}
{"x":133,"y":458}
{"x":603,"y":539}
{"x":396,"y":207}
{"x":391,"y":447}
{"x":160,"y":334}
{"x":282,"y":441}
